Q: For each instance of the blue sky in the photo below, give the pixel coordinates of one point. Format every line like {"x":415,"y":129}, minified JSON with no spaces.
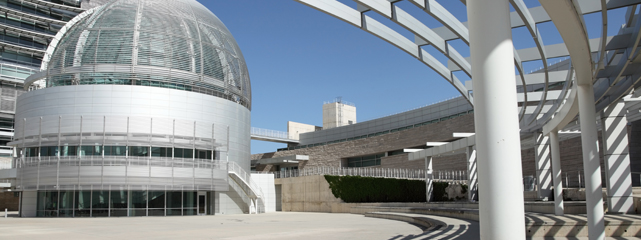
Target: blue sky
{"x":299,"y":57}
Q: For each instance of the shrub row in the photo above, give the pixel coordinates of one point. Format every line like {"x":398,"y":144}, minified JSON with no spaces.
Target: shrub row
{"x":353,"y":189}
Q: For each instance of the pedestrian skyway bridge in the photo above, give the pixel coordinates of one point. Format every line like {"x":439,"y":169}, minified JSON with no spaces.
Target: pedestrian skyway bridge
{"x":272,"y":136}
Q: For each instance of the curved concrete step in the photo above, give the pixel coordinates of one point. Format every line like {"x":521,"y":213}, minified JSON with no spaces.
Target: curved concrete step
{"x":435,"y":227}
{"x":536,"y":224}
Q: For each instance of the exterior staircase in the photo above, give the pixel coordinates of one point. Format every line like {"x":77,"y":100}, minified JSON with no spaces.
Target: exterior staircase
{"x":249,"y":188}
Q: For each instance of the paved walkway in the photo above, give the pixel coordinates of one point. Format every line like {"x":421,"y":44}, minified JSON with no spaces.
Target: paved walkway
{"x":281,"y":225}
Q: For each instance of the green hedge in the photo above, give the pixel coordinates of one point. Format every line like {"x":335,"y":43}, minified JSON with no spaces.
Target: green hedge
{"x":353,"y":189}
{"x":438,"y":192}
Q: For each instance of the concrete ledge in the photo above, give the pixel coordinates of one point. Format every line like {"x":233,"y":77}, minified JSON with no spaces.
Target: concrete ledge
{"x":569,"y":207}
{"x":460,"y":213}
{"x":425,"y":223}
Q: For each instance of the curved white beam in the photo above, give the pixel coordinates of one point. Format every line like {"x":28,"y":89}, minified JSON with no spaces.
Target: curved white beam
{"x":540,"y":16}
{"x":575,"y":36}
{"x":336,"y":9}
{"x":530,"y":24}
{"x":625,"y":63}
{"x":448,"y":20}
{"x":424,"y":34}
{"x":353,"y":16}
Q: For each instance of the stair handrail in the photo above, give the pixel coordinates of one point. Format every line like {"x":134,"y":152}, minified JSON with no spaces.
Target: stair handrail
{"x":242,"y":174}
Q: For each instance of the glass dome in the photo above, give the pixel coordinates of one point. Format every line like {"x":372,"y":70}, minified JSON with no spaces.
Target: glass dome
{"x":176,"y":44}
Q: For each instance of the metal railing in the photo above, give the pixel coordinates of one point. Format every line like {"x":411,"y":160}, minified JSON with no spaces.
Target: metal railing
{"x":576,"y":179}
{"x":450,"y":175}
{"x":270,"y":133}
{"x":399,"y":173}
{"x":120,"y":161}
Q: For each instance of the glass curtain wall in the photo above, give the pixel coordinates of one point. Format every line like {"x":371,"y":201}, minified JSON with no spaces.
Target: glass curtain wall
{"x":136,"y":151}
{"x":119,"y":203}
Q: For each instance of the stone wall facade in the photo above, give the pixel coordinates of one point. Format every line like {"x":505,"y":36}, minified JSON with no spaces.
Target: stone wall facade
{"x":9,"y":200}
{"x":334,"y":155}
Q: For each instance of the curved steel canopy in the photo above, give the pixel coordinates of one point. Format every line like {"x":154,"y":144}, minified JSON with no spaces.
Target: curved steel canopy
{"x":612,"y":64}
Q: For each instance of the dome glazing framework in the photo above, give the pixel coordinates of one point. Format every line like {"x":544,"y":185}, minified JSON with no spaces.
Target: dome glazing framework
{"x":177,"y":44}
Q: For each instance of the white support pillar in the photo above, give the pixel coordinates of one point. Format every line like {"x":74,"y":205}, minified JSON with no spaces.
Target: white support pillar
{"x":617,"y":159}
{"x":591,"y":162}
{"x":472,"y":175}
{"x":496,"y":121}
{"x":543,"y":166}
{"x":556,"y":173}
{"x":428,"y":179}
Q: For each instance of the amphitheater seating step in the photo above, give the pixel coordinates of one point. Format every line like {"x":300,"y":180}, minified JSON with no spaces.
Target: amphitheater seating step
{"x":537,"y":224}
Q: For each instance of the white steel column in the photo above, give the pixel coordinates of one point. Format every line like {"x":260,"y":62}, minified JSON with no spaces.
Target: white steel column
{"x":591,"y":163}
{"x":543,"y":168}
{"x":472,"y":175}
{"x":428,"y":179}
{"x":556,"y":173}
{"x":501,"y":211}
{"x":617,"y":159}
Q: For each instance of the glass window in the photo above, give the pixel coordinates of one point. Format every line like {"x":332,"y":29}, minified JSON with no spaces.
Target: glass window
{"x":157,"y":152}
{"x":44,"y":151}
{"x":178,"y":152}
{"x":157,"y":199}
{"x":365,"y":161}
{"x":90,"y":151}
{"x":118,"y":199}
{"x":99,"y":203}
{"x":161,"y":152}
{"x":174,"y":203}
{"x":139,"y":151}
{"x":138,"y":203}
{"x":82,"y":204}
{"x":118,"y":203}
{"x":66,"y":204}
{"x":47,"y":204}
{"x":183,"y":153}
{"x":31,"y":152}
{"x":174,"y":200}
{"x":69,"y":151}
{"x":115,"y":150}
{"x":188,"y":153}
{"x":189,"y":199}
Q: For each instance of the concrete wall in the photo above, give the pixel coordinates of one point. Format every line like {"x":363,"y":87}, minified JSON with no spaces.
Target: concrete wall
{"x":308,"y":194}
{"x":331,"y":112}
{"x":312,"y":194}
{"x":294,"y":129}
{"x":266,"y":184}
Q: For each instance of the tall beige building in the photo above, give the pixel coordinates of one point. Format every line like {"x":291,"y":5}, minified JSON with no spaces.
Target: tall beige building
{"x":338,"y":113}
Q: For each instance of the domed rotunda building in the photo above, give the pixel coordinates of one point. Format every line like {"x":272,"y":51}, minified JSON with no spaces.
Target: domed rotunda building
{"x":140,"y":109}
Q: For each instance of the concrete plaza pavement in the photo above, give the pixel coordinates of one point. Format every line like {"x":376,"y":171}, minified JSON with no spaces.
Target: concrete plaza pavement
{"x":280,"y":225}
